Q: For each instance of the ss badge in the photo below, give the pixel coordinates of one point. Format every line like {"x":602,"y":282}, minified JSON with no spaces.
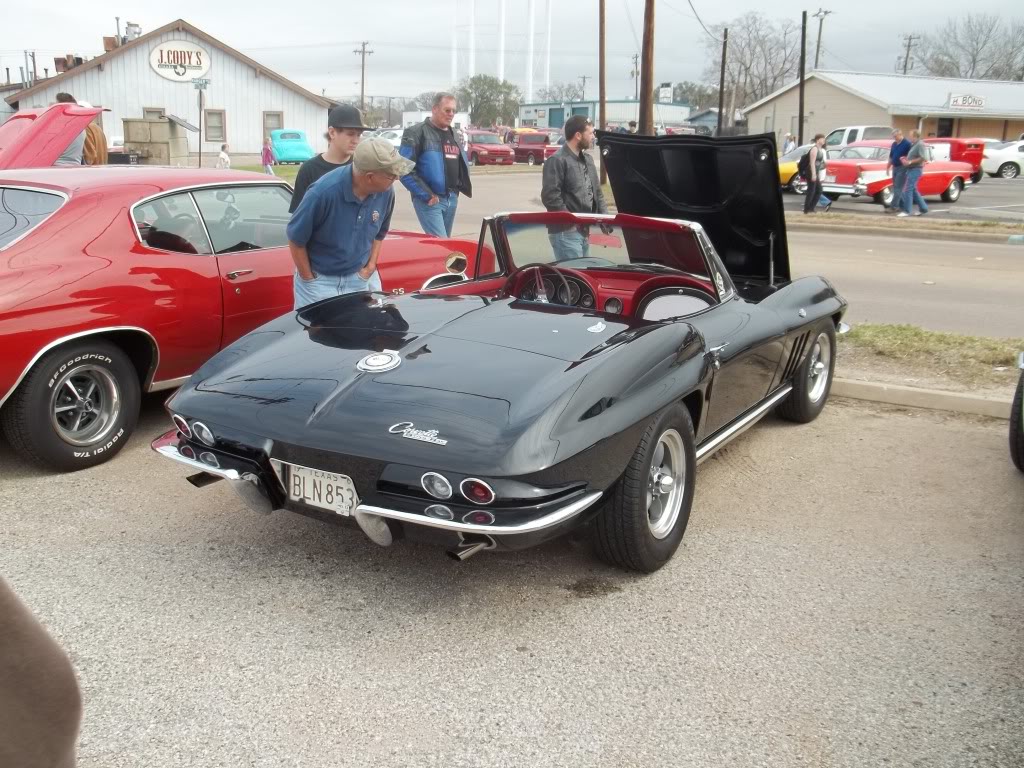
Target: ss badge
{"x":398,"y":291}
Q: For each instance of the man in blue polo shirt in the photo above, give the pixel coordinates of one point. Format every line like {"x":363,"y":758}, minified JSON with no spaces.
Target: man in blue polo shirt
{"x":335,"y":235}
{"x":895,"y":168}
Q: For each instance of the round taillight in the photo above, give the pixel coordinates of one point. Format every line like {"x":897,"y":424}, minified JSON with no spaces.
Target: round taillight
{"x":478,"y":517}
{"x":439,"y":512}
{"x":477,"y":491}
{"x":204,"y":433}
{"x":188,"y":453}
{"x":182,"y":425}
{"x":436,"y":485}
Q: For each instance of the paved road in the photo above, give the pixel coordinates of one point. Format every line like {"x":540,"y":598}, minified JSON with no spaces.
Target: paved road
{"x":977,"y":287}
{"x":813,"y":617}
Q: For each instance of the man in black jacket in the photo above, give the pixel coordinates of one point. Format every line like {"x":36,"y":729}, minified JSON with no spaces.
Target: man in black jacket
{"x":571,"y":184}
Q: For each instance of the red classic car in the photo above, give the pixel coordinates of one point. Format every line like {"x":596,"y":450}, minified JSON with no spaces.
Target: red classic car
{"x":118,"y":279}
{"x":860,"y":169}
{"x":970,"y":151}
{"x":486,"y":148}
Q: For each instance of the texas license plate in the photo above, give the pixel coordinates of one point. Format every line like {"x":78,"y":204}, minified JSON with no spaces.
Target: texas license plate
{"x":830,"y":179}
{"x":319,"y":488}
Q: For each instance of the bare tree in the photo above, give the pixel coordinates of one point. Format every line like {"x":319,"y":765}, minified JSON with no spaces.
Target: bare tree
{"x":763,"y":56}
{"x":425,"y":100}
{"x":699,"y":95}
{"x":976,"y":46}
{"x":561,"y":92}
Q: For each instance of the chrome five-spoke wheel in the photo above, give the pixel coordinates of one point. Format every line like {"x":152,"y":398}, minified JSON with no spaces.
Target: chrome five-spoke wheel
{"x":666,"y":484}
{"x":85,"y":405}
{"x":818,"y":370}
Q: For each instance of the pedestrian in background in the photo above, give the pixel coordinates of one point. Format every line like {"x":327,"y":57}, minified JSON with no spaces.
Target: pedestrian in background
{"x":895,"y":168}
{"x":74,"y":153}
{"x":914,"y":163}
{"x":442,"y":171}
{"x":815,"y":169}
{"x":335,"y":236}
{"x":344,"y":129}
{"x":94,"y":148}
{"x":268,"y":157}
{"x":570,"y":183}
{"x":788,"y":144}
{"x":224,"y":159}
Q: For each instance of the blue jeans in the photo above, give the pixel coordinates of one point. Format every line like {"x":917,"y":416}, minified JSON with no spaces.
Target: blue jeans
{"x":899,"y":178}
{"x":571,"y":244}
{"x":911,"y":196}
{"x":437,"y":219}
{"x":328,"y":286}
{"x":267,"y":168}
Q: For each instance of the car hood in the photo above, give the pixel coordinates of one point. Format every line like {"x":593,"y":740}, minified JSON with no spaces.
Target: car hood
{"x":35,"y":138}
{"x":492,"y":376}
{"x":728,"y":185}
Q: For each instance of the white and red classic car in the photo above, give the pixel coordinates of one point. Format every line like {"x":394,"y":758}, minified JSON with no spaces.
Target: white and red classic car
{"x":860,"y":169}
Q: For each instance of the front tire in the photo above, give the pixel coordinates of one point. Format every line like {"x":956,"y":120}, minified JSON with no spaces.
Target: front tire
{"x":952,"y":193}
{"x":641,"y":525}
{"x":1009,"y":171}
{"x":76,"y":408}
{"x":812,"y":381}
{"x":799,"y":185}
{"x":1017,"y":426}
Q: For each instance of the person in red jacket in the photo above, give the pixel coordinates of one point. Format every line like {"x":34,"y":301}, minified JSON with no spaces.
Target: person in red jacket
{"x":268,"y":157}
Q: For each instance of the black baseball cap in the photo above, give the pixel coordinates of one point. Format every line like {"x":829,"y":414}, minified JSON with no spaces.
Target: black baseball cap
{"x":345,"y":116}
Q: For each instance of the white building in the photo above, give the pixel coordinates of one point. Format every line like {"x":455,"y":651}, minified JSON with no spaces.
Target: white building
{"x":617,"y":112}
{"x":152,"y":76}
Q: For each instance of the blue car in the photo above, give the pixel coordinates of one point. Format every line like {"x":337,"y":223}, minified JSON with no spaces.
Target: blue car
{"x":290,"y":146}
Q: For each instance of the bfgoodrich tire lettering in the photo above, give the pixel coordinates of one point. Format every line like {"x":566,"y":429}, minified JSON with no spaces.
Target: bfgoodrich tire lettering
{"x":76,"y":408}
{"x":624,"y":533}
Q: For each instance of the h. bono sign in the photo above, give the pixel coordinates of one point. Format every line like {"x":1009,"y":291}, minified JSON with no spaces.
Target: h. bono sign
{"x":179,"y":60}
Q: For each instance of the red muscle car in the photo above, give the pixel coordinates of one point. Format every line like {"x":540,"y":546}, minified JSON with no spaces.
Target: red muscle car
{"x":861,"y":170}
{"x":118,"y":280}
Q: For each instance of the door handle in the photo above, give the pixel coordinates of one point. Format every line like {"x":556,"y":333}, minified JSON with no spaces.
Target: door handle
{"x":238,"y":273}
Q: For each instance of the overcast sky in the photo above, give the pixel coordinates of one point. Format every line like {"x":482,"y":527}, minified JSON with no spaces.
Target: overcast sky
{"x":311,"y":42}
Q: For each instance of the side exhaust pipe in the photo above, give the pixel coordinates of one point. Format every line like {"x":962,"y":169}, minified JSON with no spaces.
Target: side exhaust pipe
{"x":470,"y":544}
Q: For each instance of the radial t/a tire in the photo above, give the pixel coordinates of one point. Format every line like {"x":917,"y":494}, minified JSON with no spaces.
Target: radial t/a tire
{"x":76,"y":408}
{"x":1017,"y":426}
{"x":810,"y":390}
{"x":640,"y":527}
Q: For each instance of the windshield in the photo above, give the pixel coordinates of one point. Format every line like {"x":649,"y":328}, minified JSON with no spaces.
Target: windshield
{"x":484,"y":138}
{"x":862,"y":153}
{"x":795,"y":154}
{"x":606,"y":247}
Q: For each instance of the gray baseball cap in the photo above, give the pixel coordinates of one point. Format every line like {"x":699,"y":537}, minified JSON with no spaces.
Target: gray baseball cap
{"x":378,"y":155}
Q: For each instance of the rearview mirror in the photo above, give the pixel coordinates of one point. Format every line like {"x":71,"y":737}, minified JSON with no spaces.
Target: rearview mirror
{"x":224,"y":196}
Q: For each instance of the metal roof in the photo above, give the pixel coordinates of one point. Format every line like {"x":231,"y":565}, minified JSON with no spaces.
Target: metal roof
{"x":917,"y":95}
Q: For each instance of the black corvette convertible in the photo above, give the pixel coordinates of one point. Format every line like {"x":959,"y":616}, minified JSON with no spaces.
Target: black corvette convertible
{"x":544,"y":392}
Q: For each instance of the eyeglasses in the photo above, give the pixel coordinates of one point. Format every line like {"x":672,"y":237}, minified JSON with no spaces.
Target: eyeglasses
{"x":448,"y":111}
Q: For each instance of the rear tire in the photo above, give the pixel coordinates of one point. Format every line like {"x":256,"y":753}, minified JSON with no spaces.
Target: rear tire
{"x":884,"y":197}
{"x":1009,"y":171}
{"x":641,"y":525}
{"x":474,"y":159}
{"x":531,"y":160}
{"x":810,"y":390}
{"x":952,"y":193}
{"x":76,"y":408}
{"x":977,"y":176}
{"x":1017,"y":426}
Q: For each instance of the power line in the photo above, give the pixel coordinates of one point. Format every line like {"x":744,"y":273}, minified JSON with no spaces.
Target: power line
{"x":697,"y":17}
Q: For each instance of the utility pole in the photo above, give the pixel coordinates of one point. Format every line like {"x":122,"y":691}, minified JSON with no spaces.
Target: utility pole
{"x":362,"y":81}
{"x":583,"y":89}
{"x":803,"y":67}
{"x":909,"y":40}
{"x":820,"y":16}
{"x":635,"y":74}
{"x":602,"y":96}
{"x":35,"y":73}
{"x":721,"y":82}
{"x":647,"y":72}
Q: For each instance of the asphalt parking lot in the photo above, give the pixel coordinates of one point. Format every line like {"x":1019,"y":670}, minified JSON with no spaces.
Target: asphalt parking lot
{"x":849,"y":593}
{"x":992,"y":199}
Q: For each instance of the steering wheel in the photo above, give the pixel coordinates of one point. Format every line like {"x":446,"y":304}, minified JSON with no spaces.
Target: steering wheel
{"x":542,"y":296}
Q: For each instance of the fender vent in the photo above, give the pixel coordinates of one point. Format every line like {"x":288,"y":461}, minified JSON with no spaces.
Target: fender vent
{"x":796,"y":355}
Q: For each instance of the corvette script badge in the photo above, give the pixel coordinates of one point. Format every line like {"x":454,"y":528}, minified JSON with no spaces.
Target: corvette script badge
{"x":407,"y":429}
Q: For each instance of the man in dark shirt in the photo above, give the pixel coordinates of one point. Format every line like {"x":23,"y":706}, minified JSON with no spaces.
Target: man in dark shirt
{"x":344,"y":127}
{"x":570,"y":183}
{"x":895,"y":168}
{"x":442,"y":171}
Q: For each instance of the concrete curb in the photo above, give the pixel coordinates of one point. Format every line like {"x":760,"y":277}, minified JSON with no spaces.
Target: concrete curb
{"x":913,"y":397}
{"x":918,"y":234}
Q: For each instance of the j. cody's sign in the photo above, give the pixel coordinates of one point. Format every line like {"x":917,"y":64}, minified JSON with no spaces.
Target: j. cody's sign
{"x":179,"y":60}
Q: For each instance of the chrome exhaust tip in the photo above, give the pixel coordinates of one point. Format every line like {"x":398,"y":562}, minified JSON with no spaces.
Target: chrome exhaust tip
{"x":464,"y":553}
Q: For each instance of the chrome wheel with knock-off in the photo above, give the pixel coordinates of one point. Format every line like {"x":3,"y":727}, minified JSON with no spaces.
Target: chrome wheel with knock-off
{"x":820,"y":368}
{"x":666,"y":483}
